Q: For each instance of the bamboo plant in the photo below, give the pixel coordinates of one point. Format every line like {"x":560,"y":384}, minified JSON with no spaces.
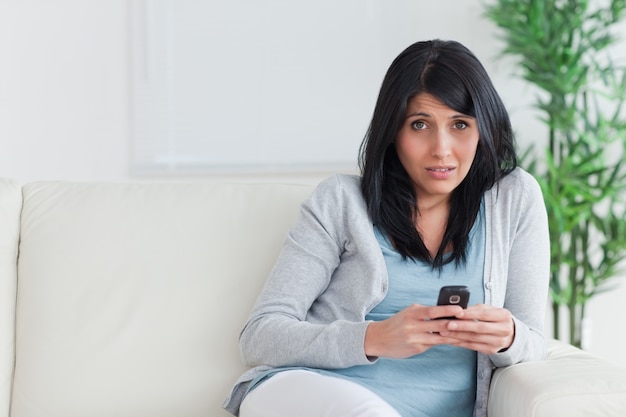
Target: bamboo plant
{"x":563,"y":48}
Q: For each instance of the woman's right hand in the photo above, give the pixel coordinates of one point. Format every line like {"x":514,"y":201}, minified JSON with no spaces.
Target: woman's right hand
{"x":409,"y":332}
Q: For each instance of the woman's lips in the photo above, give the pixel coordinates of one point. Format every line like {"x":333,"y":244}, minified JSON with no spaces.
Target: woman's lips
{"x":440,"y":173}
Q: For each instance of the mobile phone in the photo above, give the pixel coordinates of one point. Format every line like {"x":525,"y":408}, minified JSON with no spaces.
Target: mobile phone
{"x":457,"y":295}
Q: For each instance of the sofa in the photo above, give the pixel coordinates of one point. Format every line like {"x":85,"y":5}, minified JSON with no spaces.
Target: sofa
{"x":126,"y":300}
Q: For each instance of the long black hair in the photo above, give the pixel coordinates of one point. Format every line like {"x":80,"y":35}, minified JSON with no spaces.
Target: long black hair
{"x":450,"y":72}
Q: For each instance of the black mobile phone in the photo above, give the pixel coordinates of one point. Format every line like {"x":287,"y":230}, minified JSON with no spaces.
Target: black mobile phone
{"x":456,"y":295}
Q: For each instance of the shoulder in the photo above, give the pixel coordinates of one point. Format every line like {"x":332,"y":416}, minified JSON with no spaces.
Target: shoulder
{"x":337,"y":199}
{"x":339,"y":187}
{"x":516,"y":195}
{"x":342,"y":182}
{"x":518,"y":184}
{"x":518,"y":178}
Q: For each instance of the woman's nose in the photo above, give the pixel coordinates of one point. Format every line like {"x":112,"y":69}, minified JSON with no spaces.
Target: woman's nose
{"x":441,"y":145}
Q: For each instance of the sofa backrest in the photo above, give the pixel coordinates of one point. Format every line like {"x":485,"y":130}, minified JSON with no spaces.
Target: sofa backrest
{"x":131,"y":297}
{"x":10,"y":207}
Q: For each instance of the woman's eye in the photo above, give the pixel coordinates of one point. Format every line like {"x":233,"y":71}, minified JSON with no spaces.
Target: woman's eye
{"x":418,"y":125}
{"x":460,"y":125}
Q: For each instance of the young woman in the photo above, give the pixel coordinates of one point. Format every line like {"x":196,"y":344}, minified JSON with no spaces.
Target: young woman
{"x":347,"y":323}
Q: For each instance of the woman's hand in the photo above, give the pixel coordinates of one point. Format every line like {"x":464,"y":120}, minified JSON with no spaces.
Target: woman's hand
{"x":412,"y":331}
{"x":482,"y":328}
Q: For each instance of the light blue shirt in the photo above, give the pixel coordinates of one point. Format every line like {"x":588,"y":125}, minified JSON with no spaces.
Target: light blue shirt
{"x":442,"y":380}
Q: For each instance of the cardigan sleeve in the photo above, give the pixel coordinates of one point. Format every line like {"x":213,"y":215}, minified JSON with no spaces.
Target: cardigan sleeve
{"x":528,"y":270}
{"x":283,"y":328}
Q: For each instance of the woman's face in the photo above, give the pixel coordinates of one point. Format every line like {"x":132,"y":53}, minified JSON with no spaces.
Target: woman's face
{"x":436,"y":145}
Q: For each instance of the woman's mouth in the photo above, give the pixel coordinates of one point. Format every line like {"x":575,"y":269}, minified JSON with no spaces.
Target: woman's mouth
{"x":440,"y":173}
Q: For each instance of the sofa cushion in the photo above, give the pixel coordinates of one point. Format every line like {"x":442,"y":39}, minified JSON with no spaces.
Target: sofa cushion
{"x":131,"y":296}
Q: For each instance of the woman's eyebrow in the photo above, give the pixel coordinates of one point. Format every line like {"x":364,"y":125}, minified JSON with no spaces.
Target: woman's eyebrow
{"x":416,"y":114}
{"x":454,"y":116}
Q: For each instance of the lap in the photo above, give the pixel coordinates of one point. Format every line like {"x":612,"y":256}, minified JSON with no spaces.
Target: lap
{"x":308,"y":394}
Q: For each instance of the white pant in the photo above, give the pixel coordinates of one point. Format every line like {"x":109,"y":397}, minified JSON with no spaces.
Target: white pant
{"x":300,"y":393}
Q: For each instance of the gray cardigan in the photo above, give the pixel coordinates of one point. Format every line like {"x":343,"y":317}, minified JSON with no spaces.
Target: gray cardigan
{"x":331,"y":273}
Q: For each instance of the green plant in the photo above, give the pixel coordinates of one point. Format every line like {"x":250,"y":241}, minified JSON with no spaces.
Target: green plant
{"x":563,"y":48}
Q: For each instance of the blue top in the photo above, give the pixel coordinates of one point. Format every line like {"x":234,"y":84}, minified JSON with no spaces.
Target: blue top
{"x":442,"y":380}
{"x":446,"y":382}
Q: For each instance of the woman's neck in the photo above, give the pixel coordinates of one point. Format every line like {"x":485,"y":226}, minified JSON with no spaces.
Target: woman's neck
{"x":431,"y":224}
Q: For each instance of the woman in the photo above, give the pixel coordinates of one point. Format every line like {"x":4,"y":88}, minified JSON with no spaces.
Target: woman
{"x":346,"y":324}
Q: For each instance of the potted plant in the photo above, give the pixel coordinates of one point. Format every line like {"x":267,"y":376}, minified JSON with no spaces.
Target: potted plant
{"x":563,"y":48}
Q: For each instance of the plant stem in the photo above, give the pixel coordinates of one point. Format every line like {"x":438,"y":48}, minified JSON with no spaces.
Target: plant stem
{"x":556,"y":318}
{"x":573,"y":284}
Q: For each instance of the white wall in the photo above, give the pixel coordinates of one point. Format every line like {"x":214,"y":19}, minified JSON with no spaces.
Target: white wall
{"x":65,"y":108}
{"x":64,"y":93}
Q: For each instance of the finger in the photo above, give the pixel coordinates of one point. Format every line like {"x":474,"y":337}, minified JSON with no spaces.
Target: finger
{"x":437,"y":338}
{"x":440,"y":312}
{"x":487,"y":313}
{"x":488,"y":348}
{"x":439,"y":325}
{"x":494,"y":336}
{"x":477,"y":327}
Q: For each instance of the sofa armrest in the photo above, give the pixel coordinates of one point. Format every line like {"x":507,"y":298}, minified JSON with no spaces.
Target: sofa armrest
{"x":571,"y":382}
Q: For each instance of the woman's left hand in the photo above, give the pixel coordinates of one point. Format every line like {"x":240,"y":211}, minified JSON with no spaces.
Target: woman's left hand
{"x":482,"y":328}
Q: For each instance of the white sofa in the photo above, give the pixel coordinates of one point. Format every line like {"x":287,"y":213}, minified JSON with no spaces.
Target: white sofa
{"x":126,"y":300}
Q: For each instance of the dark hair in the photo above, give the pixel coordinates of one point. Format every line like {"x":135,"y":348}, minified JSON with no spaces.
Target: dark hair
{"x":450,"y":72}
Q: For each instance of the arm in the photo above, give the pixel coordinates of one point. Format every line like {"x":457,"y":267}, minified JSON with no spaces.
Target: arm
{"x":528,"y":278}
{"x":296,"y":321}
